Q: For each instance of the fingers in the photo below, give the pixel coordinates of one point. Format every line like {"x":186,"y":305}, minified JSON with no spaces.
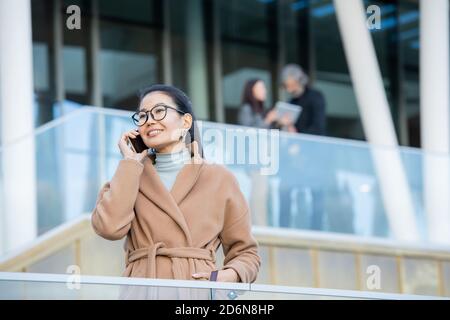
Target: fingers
{"x":131,"y":134}
{"x":128,"y":134}
{"x":123,"y":142}
{"x":200,"y":275}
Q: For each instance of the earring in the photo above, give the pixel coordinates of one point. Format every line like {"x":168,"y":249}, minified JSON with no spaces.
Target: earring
{"x":183,"y":134}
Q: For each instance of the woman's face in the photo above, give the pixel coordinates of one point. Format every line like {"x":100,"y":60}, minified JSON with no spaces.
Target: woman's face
{"x":163,"y":135}
{"x":259,"y":91}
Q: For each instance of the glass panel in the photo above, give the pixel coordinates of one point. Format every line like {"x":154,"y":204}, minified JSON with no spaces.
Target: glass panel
{"x":303,"y":189}
{"x":409,"y":45}
{"x":337,"y":270}
{"x":58,"y":262}
{"x":73,"y":287}
{"x":446,"y":278}
{"x":295,"y":25}
{"x":179,"y":43}
{"x":387,"y":266}
{"x":422,"y":276}
{"x":43,"y":79}
{"x":265,"y":274}
{"x":219,"y":294}
{"x":118,"y":289}
{"x":257,"y":37}
{"x":293,"y":267}
{"x":245,"y":19}
{"x":72,"y":290}
{"x":63,"y":177}
{"x":275,"y":292}
{"x":67,"y":170}
{"x":130,"y":56}
{"x":101,"y":257}
{"x":75,"y":55}
{"x":331,"y":76}
{"x":136,"y":11}
{"x":246,"y":50}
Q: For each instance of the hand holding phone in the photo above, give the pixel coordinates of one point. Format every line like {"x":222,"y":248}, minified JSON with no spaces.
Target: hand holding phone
{"x":132,"y":147}
{"x":137,"y":144}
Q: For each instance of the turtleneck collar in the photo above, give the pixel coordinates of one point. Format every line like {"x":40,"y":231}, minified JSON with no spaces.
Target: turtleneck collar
{"x":172,"y":161}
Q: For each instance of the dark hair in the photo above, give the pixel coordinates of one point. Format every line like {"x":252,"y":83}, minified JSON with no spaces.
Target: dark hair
{"x":183,"y":103}
{"x":249,"y":98}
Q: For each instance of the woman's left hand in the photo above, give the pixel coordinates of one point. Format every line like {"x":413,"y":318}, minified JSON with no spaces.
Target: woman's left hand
{"x":227,"y":275}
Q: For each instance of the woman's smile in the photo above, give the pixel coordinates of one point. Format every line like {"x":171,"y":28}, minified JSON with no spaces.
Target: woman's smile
{"x":154,"y":132}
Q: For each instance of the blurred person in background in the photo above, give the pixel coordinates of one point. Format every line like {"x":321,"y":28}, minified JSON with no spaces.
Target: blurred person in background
{"x":312,"y":120}
{"x":252,"y":113}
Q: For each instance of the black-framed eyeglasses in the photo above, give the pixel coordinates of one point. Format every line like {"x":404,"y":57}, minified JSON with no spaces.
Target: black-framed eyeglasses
{"x":158,"y":113}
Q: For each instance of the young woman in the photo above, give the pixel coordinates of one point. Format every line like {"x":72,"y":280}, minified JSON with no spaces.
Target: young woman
{"x":252,"y":113}
{"x":175,"y":208}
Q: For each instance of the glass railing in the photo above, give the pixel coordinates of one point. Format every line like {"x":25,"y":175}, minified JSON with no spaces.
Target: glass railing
{"x":290,"y":180}
{"x":59,"y":286}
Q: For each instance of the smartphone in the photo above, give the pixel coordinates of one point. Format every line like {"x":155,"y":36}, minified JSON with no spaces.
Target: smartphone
{"x":137,"y":144}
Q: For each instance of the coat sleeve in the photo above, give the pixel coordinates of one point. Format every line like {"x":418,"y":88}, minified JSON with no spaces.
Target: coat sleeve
{"x":114,"y":208}
{"x":239,"y":245}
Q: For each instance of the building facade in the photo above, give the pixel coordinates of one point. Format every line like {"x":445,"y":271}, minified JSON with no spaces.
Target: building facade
{"x":210,"y":48}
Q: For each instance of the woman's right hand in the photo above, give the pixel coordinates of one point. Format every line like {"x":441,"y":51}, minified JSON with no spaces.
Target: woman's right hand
{"x":126,"y":150}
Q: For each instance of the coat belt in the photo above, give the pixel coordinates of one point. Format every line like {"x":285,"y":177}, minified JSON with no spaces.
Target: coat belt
{"x":175,"y":254}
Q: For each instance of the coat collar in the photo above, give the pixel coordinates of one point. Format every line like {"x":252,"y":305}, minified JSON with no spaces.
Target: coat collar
{"x":153,"y":188}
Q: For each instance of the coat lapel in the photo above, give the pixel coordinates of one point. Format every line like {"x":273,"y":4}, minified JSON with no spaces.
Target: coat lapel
{"x":153,"y":188}
{"x":185,"y":181}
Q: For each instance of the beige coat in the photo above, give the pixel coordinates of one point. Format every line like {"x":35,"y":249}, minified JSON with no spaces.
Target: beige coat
{"x":171,"y":235}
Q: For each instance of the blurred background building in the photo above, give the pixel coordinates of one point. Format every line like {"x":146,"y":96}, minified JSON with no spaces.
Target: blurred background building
{"x":382,"y":173}
{"x":210,"y":48}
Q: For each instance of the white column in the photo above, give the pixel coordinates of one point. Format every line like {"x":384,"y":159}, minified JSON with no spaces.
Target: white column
{"x":435,"y":116}
{"x":376,"y":118}
{"x":18,"y":210}
{"x":196,"y":59}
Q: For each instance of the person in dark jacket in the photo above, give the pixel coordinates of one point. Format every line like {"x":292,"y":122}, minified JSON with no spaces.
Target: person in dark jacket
{"x":312,"y":119}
